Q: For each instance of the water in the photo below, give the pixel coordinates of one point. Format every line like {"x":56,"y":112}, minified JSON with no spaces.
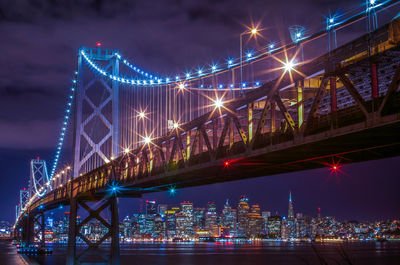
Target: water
{"x":359,"y":253}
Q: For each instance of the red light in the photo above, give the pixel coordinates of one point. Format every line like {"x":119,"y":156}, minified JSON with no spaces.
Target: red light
{"x":226,"y":163}
{"x":335,"y":168}
{"x":37,"y":158}
{"x":98,"y":44}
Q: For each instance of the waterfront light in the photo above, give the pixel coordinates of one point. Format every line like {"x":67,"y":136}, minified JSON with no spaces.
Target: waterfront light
{"x":176,"y":125}
{"x":254,"y":31}
{"x":126,"y":150}
{"x":142,"y":114}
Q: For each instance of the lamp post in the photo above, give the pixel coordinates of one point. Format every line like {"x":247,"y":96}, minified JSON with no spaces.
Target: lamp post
{"x":252,"y":32}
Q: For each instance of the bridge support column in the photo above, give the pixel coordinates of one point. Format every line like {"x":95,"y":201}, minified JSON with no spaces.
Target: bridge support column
{"x":28,"y":229}
{"x":114,"y":231}
{"x":71,"y":249}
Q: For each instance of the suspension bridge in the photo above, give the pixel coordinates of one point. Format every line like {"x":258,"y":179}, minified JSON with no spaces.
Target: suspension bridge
{"x":267,"y":112}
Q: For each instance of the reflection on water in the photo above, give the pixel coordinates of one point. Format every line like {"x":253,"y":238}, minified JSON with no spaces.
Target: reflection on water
{"x":365,"y":253}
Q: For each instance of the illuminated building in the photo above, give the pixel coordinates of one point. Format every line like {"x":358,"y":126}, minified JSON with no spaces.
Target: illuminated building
{"x":158,"y":226}
{"x":187,"y":211}
{"x":199,"y":219}
{"x":150,"y":214}
{"x":255,"y":221}
{"x":274,"y":226}
{"x":150,"y":207}
{"x":161,"y":209}
{"x":290,"y":208}
{"x":228,"y":220}
{"x":180,"y":225}
{"x":142,"y":223}
{"x":243,"y":217}
{"x":170,"y":223}
{"x":265,"y":216}
{"x":211,"y":217}
{"x":126,"y":229}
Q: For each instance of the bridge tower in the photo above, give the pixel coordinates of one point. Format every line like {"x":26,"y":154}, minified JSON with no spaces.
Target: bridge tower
{"x":96,"y":111}
{"x":39,"y":178}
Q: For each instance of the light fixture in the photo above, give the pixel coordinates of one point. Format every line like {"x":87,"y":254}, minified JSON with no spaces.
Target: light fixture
{"x":126,"y":150}
{"x":176,"y":125}
{"x":181,"y":86}
{"x":288,"y":66}
{"x":147,"y":140}
{"x":142,"y":115}
{"x":218,"y":103}
{"x":254,"y":31}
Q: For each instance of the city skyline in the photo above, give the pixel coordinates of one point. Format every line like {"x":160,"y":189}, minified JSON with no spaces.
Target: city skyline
{"x":188,"y":221}
{"x":24,"y":101}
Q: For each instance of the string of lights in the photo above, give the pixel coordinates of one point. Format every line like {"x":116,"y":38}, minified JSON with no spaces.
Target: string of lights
{"x":298,"y":34}
{"x":67,"y":116}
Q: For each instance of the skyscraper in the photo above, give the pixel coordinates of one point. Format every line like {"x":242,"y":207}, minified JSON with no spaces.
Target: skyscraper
{"x":211,"y":217}
{"x":150,"y":207}
{"x":228,"y":220}
{"x":290,"y":210}
{"x":187,"y":211}
{"x":162,"y":208}
{"x":274,"y":226}
{"x":255,"y":221}
{"x":289,"y":226}
{"x":265,"y":216}
{"x":170,"y":223}
{"x":199,"y":219}
{"x":243,"y":217}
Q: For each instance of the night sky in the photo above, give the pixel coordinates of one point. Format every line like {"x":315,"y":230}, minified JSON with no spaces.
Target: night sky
{"x":38,"y":51}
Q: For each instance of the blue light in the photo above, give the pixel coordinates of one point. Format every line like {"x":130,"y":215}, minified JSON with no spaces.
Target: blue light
{"x":187,"y":75}
{"x":200,"y":71}
{"x":257,"y":83}
{"x":214,"y":68}
{"x":243,"y":84}
{"x":221,"y":86}
{"x":230,"y":62}
{"x":172,"y":191}
{"x":167,"y":80}
{"x":176,"y":77}
{"x":201,"y":86}
{"x":249,"y":54}
{"x":231,"y":85}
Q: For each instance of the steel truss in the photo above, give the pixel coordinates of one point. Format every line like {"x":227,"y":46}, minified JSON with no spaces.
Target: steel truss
{"x":75,"y":230}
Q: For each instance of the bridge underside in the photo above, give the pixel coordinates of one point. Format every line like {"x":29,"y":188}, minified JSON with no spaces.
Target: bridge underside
{"x":370,"y":144}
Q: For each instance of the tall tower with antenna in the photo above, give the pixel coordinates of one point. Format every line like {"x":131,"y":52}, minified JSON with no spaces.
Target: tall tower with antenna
{"x":291,"y":211}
